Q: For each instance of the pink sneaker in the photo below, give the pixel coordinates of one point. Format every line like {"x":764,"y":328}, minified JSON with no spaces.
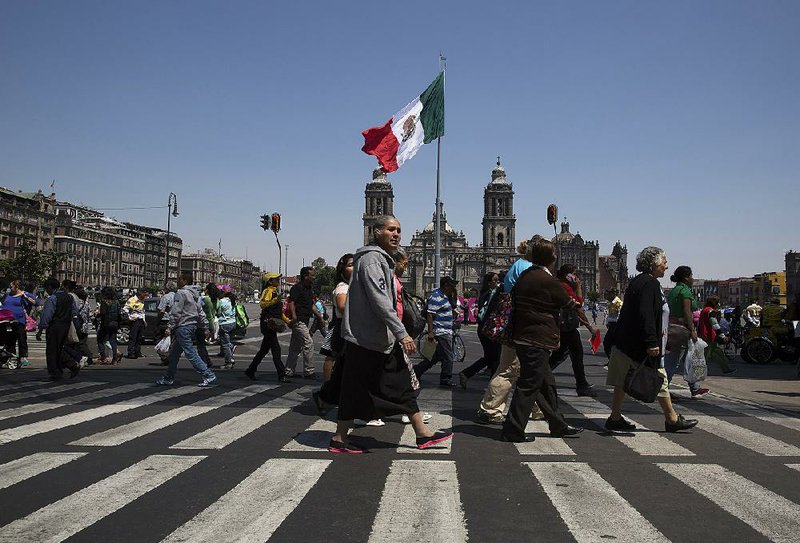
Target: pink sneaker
{"x":700,"y":392}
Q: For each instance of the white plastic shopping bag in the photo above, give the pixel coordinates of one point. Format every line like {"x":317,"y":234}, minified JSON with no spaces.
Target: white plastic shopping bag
{"x":696,"y":368}
{"x":162,"y":347}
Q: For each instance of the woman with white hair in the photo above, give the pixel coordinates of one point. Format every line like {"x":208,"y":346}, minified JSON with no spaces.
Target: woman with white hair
{"x":640,"y":338}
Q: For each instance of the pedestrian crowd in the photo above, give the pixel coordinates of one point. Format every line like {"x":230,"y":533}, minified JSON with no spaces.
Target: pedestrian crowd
{"x":529,"y":318}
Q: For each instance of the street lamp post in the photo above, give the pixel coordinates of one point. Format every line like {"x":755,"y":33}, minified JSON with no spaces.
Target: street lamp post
{"x":172,"y":211}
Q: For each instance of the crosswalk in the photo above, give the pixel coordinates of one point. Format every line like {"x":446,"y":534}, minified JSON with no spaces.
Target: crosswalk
{"x":249,"y":463}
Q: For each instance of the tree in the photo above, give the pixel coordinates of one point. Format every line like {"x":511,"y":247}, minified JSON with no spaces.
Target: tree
{"x":31,"y":264}
{"x":325,"y":280}
{"x":318,"y":263}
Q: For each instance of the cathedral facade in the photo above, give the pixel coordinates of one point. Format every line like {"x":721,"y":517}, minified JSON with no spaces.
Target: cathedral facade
{"x":498,"y":249}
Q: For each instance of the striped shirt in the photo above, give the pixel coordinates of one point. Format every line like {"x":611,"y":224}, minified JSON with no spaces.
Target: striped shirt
{"x":439,"y":306}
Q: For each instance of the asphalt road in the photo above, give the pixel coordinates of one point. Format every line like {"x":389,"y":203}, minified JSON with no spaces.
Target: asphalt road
{"x":110,"y":456}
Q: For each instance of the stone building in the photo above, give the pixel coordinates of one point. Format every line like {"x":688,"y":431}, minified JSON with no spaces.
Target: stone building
{"x":101,"y":251}
{"x":573,"y":249}
{"x":26,"y":218}
{"x":459,"y":260}
{"x":612,"y":271}
{"x":208,"y":266}
{"x":497,"y":251}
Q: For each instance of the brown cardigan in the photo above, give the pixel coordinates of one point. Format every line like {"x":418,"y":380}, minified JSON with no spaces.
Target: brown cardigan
{"x":538,"y":299}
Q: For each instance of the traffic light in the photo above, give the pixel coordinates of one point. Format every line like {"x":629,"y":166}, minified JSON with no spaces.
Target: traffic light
{"x":552,"y":214}
{"x":276,"y":222}
{"x":265,"y":222}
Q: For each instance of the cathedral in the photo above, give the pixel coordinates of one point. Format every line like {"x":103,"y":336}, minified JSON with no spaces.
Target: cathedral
{"x":498,"y":250}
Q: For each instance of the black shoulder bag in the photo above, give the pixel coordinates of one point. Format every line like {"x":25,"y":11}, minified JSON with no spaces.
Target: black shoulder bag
{"x":643,"y":382}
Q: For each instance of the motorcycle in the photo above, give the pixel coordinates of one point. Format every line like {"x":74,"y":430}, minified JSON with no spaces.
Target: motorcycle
{"x":766,"y":344}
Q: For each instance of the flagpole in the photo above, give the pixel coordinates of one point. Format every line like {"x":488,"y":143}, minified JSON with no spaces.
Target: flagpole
{"x":437,"y":256}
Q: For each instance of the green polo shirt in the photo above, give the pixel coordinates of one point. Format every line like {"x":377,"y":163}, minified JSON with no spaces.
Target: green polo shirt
{"x":676,"y":297}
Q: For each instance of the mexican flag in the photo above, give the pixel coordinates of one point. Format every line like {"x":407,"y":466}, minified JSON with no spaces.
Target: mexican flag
{"x":420,"y":122}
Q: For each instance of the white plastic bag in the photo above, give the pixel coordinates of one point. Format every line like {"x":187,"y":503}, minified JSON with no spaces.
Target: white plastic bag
{"x":696,"y":368}
{"x":162,"y":347}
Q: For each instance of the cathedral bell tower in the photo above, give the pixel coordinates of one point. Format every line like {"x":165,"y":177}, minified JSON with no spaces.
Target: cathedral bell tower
{"x":499,"y":222}
{"x":378,"y":200}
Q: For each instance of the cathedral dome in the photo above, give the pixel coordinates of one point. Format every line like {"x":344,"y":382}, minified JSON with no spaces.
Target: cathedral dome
{"x":446,"y":228}
{"x":499,"y":173}
{"x":565,"y":234}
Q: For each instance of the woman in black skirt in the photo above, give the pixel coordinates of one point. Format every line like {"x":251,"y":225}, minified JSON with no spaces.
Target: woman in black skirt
{"x":376,"y":381}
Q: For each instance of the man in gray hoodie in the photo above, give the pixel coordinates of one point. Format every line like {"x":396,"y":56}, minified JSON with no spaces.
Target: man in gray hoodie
{"x":185,"y":316}
{"x":376,"y":376}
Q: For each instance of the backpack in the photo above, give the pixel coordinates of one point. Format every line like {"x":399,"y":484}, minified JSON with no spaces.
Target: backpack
{"x":569,"y":319}
{"x":414,"y":314}
{"x":242,"y":320}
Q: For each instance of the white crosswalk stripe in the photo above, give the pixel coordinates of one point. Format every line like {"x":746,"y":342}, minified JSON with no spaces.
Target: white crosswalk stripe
{"x":26,"y":384}
{"x":418,"y":498}
{"x":24,"y":468}
{"x":53,"y":390}
{"x":739,"y":435}
{"x":642,"y":441}
{"x":48,"y":425}
{"x":774,"y":516}
{"x":439,"y":403}
{"x":270,"y":493}
{"x":544,"y":444}
{"x":413,"y":508}
{"x":591,"y":508}
{"x":127,"y":432}
{"x":59,"y":520}
{"x":38,"y":407}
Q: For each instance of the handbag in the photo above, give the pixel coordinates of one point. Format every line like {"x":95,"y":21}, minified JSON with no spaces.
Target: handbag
{"x":695,"y":368}
{"x":643,"y":382}
{"x":497,"y":324}
{"x":276,"y":325}
{"x":72,"y":334}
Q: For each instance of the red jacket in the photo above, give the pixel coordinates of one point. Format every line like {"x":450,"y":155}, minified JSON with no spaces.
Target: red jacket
{"x":704,"y":329}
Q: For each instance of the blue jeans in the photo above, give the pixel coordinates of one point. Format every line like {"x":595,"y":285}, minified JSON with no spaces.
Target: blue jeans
{"x":225,"y":341}
{"x":444,"y":354}
{"x":182,"y":343}
{"x":674,"y":361}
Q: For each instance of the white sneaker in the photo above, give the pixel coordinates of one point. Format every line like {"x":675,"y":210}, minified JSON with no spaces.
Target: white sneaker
{"x":376,"y":422}
{"x":10,"y":365}
{"x":426,"y":417}
{"x":82,"y":362}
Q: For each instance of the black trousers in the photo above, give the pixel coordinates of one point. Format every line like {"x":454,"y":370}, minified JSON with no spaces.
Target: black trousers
{"x":490,"y":358}
{"x":20,"y":341}
{"x":608,"y":340}
{"x":54,"y":344}
{"x":268,"y":343}
{"x":535,"y":384}
{"x":135,"y":338}
{"x":571,"y":343}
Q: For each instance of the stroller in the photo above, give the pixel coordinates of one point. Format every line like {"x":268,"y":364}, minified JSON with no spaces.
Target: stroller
{"x":8,"y":335}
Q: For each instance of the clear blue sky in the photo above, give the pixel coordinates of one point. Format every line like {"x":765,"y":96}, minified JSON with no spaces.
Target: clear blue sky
{"x":666,"y":123}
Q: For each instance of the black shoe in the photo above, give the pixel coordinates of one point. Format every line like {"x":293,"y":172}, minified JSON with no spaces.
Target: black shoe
{"x":284,"y":379}
{"x":250,"y":374}
{"x":485,"y":418}
{"x":74,"y":370}
{"x":526,"y":438}
{"x":680,"y":424}
{"x":56,"y":376}
{"x":447,"y":384}
{"x":310,"y":376}
{"x":621,"y":425}
{"x":435,"y":439}
{"x":567,"y":432}
{"x":587,"y":391}
{"x":131,"y":356}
